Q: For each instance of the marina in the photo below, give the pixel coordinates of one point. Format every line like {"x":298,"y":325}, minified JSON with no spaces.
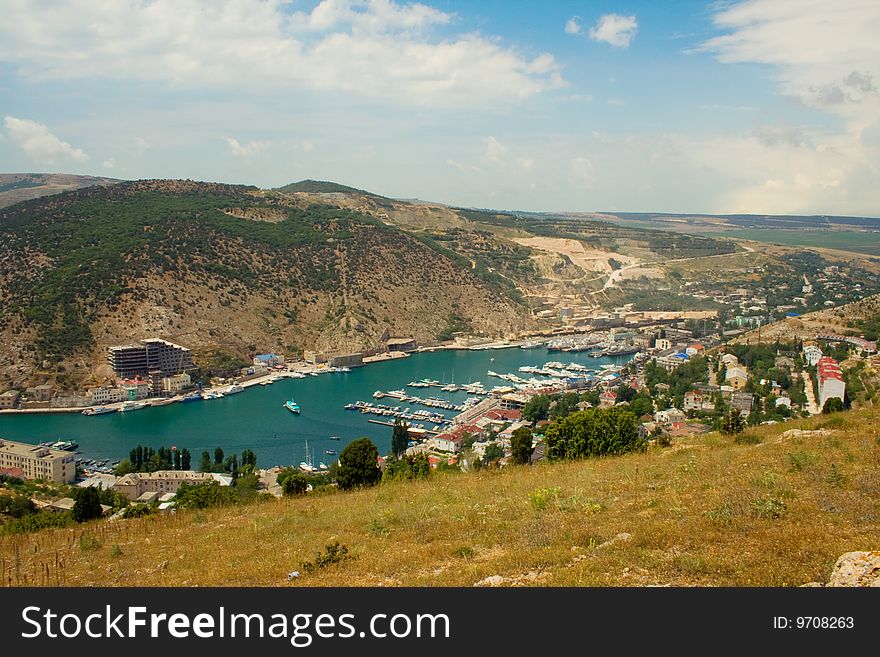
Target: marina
{"x":258,"y":420}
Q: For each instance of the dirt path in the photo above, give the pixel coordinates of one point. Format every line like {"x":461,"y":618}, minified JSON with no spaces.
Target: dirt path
{"x":812,"y":406}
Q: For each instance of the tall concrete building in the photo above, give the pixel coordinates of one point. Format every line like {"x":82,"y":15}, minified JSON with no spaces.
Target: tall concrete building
{"x":152,"y":358}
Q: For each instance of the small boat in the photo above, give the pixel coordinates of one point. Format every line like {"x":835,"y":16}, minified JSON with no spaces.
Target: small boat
{"x":162,"y":402}
{"x":335,"y":438}
{"x":233,"y":389}
{"x":64,"y":445}
{"x":292,"y":406}
{"x":98,"y":410}
{"x":132,"y":406}
{"x":322,"y":466}
{"x":330,"y":451}
{"x":193,"y":397}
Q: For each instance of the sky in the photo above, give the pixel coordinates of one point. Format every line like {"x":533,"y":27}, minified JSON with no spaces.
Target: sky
{"x":749,"y":106}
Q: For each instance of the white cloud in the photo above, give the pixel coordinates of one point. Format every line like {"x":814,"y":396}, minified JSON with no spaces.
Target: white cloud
{"x":141,"y":145}
{"x":827,"y":56}
{"x":573,"y":25}
{"x":617,"y":30}
{"x":40,"y":144}
{"x":378,"y":49}
{"x":109,"y":163}
{"x":245,"y":150}
{"x":495,"y":153}
{"x":583,"y":173}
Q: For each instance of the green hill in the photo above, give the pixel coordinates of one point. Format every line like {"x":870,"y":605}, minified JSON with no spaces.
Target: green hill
{"x":211,"y":265}
{"x":706,"y":512}
{"x":323,"y":187}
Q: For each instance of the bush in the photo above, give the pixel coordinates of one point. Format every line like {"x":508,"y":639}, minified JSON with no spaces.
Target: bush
{"x":540,"y":498}
{"x":769,"y":507}
{"x":36,"y":522}
{"x":333,"y":553}
{"x":732,"y":423}
{"x":295,"y":483}
{"x":833,"y":405}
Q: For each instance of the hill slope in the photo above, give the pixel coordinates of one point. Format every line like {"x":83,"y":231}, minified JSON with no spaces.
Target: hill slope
{"x":708,"y":513}
{"x":218,"y":266}
{"x":17,"y":187}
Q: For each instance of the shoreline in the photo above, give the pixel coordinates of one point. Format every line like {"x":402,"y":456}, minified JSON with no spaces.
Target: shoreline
{"x":298,"y":368}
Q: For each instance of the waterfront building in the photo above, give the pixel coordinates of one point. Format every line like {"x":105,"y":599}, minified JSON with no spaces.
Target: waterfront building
{"x":148,"y":356}
{"x":37,"y":462}
{"x":269,"y":360}
{"x":106,"y":395}
{"x":175,"y":383}
{"x":9,"y":399}
{"x":133,"y":389}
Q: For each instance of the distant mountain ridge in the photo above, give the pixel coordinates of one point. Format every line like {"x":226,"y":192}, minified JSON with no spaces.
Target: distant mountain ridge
{"x":17,"y":187}
{"x":323,"y":187}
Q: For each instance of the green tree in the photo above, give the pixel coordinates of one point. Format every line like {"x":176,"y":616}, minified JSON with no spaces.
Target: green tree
{"x":218,"y":459}
{"x":248,"y":458}
{"x":732,"y":423}
{"x":16,"y":506}
{"x":205,"y":464}
{"x":565,"y":405}
{"x":493,"y":452}
{"x":521,"y":446}
{"x":296,"y":483}
{"x":832,"y":405}
{"x":87,"y":504}
{"x":399,"y":437}
{"x":201,"y":496}
{"x":537,"y":408}
{"x":185,"y":459}
{"x":594,"y":432}
{"x":358,"y":465}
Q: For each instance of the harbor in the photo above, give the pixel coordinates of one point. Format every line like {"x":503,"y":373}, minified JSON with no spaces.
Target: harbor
{"x":253,"y":415}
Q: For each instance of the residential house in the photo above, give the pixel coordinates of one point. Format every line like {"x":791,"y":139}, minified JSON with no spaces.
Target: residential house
{"x":9,"y":399}
{"x":607,"y":399}
{"x":812,"y":354}
{"x":831,"y":381}
{"x":736,"y":377}
{"x":742,"y":401}
{"x":729,"y":360}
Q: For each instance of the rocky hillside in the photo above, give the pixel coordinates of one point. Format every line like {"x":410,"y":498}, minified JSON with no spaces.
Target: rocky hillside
{"x":17,"y":187}
{"x":226,"y":269}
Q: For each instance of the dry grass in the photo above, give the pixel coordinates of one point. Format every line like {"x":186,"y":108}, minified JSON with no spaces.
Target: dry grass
{"x":709,"y":513}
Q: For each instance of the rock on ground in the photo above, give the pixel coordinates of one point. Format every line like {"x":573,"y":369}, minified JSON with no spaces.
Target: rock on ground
{"x":857,"y":569}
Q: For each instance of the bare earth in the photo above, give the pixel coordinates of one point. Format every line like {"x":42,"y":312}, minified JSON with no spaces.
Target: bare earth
{"x":590,"y":260}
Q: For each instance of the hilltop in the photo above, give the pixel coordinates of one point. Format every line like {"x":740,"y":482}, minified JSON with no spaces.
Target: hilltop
{"x":706,"y":512}
{"x":220,"y":268}
{"x":856,"y":318}
{"x":17,"y":187}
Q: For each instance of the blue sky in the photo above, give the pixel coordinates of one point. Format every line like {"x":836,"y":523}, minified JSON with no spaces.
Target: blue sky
{"x":764,"y":106}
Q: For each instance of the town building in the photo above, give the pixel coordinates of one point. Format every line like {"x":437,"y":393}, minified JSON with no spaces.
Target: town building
{"x":607,"y":399}
{"x":151,"y":355}
{"x":742,"y":401}
{"x":106,"y":395}
{"x":133,"y":389}
{"x":37,"y":462}
{"x":269,"y":360}
{"x":812,"y":354}
{"x":135,"y":484}
{"x":831,"y":381}
{"x":663,"y":344}
{"x":736,"y":378}
{"x":9,"y":399}
{"x":172,"y":385}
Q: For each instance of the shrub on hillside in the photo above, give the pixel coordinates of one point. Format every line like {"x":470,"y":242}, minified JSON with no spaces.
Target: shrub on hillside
{"x":594,"y":432}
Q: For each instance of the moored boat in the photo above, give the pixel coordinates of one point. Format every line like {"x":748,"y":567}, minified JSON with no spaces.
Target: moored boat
{"x":292,"y":406}
{"x":98,"y":410}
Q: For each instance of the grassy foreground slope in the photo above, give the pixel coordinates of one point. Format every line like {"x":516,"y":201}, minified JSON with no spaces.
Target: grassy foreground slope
{"x":711,"y":512}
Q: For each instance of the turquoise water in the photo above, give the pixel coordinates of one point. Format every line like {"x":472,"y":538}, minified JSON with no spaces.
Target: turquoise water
{"x":256,"y":418}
